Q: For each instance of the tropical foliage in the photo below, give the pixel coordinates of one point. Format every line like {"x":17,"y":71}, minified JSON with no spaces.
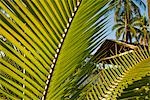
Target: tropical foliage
{"x":139,"y":29}
{"x":138,"y":90}
{"x":110,"y":82}
{"x":133,"y":27}
{"x":144,"y":31}
{"x":45,"y":49}
{"x":125,"y":13}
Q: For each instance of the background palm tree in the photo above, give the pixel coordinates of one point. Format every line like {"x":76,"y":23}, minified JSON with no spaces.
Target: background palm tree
{"x":125,"y":11}
{"x":132,"y":27}
{"x":143,"y":31}
{"x":138,"y":29}
{"x":47,"y":43}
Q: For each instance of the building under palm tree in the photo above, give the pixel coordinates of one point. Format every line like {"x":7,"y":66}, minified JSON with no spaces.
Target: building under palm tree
{"x":112,"y":49}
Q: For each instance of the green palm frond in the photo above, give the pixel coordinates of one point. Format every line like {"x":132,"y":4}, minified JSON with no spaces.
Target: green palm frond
{"x":52,"y":38}
{"x":118,"y":26}
{"x":124,"y":69}
{"x":45,"y":52}
{"x":136,"y":21}
{"x":133,"y":31}
{"x":119,"y":33}
{"x":138,"y":90}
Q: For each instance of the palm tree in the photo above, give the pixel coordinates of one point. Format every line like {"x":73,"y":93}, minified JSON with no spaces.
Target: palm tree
{"x":125,"y":11}
{"x":44,"y":55}
{"x":121,"y":29}
{"x":138,"y":29}
{"x":144,"y":31}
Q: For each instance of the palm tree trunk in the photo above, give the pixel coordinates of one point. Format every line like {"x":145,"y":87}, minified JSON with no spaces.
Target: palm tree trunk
{"x":127,"y":18}
{"x":148,"y":4}
{"x":128,"y":36}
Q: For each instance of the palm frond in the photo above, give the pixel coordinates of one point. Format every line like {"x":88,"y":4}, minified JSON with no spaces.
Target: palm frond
{"x":118,"y":26}
{"x":138,"y":90}
{"x":123,"y":71}
{"x":141,"y":3}
{"x":53,"y":38}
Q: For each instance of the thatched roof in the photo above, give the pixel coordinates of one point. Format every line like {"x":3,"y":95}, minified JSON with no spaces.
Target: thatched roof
{"x":111,"y":49}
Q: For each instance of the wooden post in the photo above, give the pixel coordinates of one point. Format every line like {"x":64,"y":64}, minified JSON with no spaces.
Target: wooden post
{"x":148,"y":5}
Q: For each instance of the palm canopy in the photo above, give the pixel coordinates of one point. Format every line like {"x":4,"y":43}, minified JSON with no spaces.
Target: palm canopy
{"x":131,"y":8}
{"x":144,"y":32}
{"x":44,"y":47}
{"x":125,"y":11}
{"x":134,"y":26}
{"x":138,"y":27}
